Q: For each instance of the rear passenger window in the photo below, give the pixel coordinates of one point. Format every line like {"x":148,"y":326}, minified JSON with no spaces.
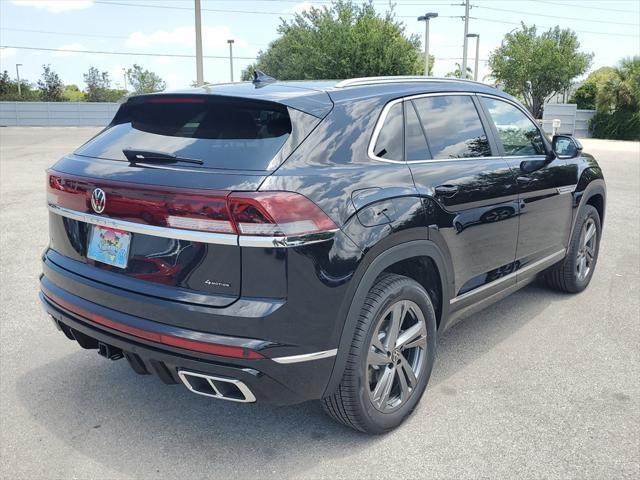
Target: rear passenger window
{"x":518,"y":133}
{"x":452,"y":126}
{"x":415,"y":143}
{"x":389,"y":144}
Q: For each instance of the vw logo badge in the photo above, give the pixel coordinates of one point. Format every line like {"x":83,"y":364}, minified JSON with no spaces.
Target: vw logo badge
{"x":98,"y":200}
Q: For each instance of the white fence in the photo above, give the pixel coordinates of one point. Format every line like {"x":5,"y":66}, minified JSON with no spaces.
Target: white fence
{"x":56,"y":114}
{"x":572,"y":121}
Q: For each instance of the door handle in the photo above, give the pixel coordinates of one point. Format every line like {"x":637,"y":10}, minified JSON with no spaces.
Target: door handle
{"x":447,"y":190}
{"x":524,"y":180}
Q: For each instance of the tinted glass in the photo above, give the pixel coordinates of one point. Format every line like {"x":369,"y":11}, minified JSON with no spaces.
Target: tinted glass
{"x":390,"y":139}
{"x":452,"y":126}
{"x":518,"y":134}
{"x":415,"y":141}
{"x":223,"y":133}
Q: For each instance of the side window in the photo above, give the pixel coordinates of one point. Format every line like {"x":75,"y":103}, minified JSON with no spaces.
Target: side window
{"x":518,"y":134}
{"x":452,"y":126}
{"x":415,"y":143}
{"x":390,"y":141}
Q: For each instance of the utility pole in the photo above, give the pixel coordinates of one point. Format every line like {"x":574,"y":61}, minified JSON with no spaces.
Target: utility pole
{"x":199,"y":74}
{"x":124,"y":75}
{"x":463,"y":69}
{"x":18,"y":65}
{"x":477,"y":37}
{"x":230,"y":42}
{"x":425,"y":18}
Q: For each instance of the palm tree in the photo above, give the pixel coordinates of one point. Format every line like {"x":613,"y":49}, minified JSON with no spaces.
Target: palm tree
{"x":622,"y":90}
{"x":456,"y":72}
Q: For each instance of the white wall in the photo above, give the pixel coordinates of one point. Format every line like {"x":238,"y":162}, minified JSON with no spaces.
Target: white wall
{"x":56,"y":114}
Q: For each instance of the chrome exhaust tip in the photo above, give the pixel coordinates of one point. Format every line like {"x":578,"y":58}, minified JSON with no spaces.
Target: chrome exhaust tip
{"x":216,"y":387}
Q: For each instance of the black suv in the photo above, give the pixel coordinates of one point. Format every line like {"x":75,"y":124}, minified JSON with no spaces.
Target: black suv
{"x":289,"y":241}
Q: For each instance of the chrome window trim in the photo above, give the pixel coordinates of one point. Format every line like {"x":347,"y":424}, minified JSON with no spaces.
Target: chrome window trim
{"x":306,"y":357}
{"x":559,"y":255}
{"x":383,"y":116}
{"x":192,"y":235}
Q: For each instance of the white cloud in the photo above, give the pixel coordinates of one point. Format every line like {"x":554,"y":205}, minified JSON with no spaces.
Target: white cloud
{"x":212,"y":37}
{"x":302,"y":7}
{"x":55,"y":6}
{"x":7,"y":52}
{"x":69,"y":47}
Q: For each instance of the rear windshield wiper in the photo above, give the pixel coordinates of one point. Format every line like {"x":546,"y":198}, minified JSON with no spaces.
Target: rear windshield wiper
{"x":149,"y":156}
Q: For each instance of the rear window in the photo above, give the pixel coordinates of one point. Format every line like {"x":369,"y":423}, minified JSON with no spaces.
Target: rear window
{"x":221,"y":132}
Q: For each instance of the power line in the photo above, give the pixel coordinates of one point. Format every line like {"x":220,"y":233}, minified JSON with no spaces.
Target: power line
{"x":583,"y":6}
{"x":548,"y":26}
{"x":79,"y":34}
{"x":71,"y":34}
{"x":102,"y":52}
{"x":555,"y":16}
{"x":174,"y":7}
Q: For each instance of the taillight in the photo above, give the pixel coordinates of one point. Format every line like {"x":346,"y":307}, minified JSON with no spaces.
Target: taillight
{"x":244,"y":213}
{"x":277,"y":214}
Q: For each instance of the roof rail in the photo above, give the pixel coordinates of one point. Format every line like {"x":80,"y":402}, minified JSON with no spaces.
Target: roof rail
{"x":355,"y":82}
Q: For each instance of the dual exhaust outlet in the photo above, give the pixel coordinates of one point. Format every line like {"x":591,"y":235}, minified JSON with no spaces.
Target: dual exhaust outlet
{"x":217,"y":387}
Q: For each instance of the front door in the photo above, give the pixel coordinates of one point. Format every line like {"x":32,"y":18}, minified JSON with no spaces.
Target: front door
{"x":545,"y":185}
{"x":470,"y":193}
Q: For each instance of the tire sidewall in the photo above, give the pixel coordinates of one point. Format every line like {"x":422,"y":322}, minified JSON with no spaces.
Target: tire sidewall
{"x":587,"y":213}
{"x":378,"y":421}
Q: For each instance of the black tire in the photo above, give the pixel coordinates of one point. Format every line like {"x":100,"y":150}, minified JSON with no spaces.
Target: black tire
{"x":352,"y":403}
{"x":565,"y":276}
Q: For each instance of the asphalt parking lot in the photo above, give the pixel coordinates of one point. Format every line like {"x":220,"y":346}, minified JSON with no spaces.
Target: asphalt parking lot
{"x":540,"y":385}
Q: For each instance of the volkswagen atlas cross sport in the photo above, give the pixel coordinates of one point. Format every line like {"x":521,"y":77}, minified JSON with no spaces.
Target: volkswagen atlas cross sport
{"x":289,"y":241}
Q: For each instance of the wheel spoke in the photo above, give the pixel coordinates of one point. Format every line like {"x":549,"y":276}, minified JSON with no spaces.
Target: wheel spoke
{"x":404,"y":387}
{"x":591,"y":231}
{"x":383,"y":388}
{"x":377,"y":358}
{"x":408,"y":371}
{"x":412,"y":337}
{"x":397,"y":315}
{"x":378,"y":344}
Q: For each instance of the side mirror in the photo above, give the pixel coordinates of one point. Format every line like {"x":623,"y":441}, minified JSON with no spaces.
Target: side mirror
{"x":565,"y":146}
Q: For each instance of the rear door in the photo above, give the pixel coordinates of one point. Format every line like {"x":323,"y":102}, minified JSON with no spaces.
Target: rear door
{"x":545,"y":183}
{"x":470,"y":193}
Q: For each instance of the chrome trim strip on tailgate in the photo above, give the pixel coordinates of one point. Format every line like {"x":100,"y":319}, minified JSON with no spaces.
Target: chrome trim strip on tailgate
{"x":165,"y":232}
{"x":193,"y":235}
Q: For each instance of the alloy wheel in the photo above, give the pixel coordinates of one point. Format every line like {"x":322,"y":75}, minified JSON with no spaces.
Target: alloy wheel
{"x":587,"y":249}
{"x":396,"y":355}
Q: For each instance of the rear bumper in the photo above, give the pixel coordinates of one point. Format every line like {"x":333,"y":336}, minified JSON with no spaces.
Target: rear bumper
{"x":281,"y":381}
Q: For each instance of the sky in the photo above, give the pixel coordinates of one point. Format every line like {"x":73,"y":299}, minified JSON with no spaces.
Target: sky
{"x":75,"y":30}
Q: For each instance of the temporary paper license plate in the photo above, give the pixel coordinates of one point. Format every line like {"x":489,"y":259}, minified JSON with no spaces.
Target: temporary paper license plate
{"x":110,"y":246}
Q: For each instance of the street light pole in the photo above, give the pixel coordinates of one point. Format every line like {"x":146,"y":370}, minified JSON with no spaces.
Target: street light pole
{"x":230,"y":42}
{"x":18,"y":65}
{"x":463,"y":69}
{"x":199,"y":69}
{"x":477,"y":37}
{"x":425,"y":18}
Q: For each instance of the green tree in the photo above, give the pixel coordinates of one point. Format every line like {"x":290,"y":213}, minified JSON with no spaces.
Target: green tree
{"x":535,"y":67}
{"x":98,"y":85}
{"x":342,"y":40}
{"x":456,"y":72}
{"x":618,"y":103}
{"x":585,"y":95}
{"x":144,"y":81}
{"x":9,"y":89}
{"x":72,"y":93}
{"x":50,"y":86}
